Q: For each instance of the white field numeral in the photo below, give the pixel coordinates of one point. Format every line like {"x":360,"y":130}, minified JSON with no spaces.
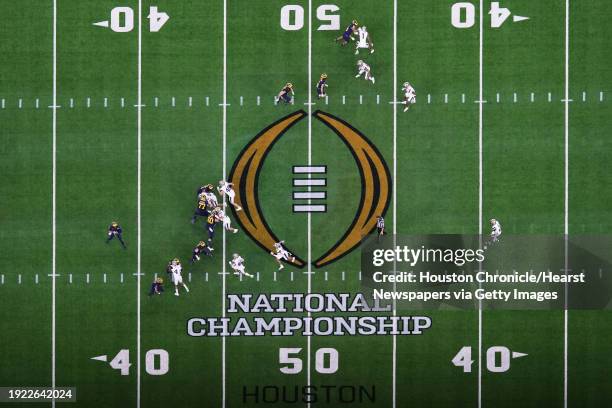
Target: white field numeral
{"x":292,"y":17}
{"x":157,"y":361}
{"x":326,"y":360}
{"x":122,"y":20}
{"x":463,"y":15}
{"x":498,"y":14}
{"x":498,"y":359}
{"x":122,"y":362}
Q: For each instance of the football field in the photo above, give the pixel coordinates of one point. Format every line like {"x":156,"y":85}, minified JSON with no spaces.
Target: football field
{"x":120,"y":111}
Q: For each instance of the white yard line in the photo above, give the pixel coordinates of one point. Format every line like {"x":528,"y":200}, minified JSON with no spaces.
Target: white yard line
{"x":394,"y":339}
{"x":309,"y":259}
{"x":480,"y":192}
{"x":138,"y":204}
{"x":566,"y":201}
{"x":53,"y":202}
{"x":224,"y":109}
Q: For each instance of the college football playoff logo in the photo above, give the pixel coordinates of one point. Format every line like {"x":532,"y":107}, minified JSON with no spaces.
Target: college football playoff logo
{"x":373,"y":172}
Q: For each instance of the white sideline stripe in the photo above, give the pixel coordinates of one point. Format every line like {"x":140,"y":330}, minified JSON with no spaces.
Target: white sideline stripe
{"x":138,"y":204}
{"x":309,"y":208}
{"x":394,"y":339}
{"x":566,"y":202}
{"x":309,"y":215}
{"x":53,"y":201}
{"x":480,"y":187}
{"x":313,"y":195}
{"x":309,"y":169}
{"x":223,"y":261}
{"x":309,"y":182}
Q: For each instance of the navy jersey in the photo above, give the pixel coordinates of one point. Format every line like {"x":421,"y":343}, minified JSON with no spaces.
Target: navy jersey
{"x":115,"y":229}
{"x":348,"y":32}
{"x":287,"y":90}
{"x":321,"y":85}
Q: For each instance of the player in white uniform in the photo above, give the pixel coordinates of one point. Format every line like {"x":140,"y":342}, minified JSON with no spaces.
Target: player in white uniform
{"x":364,"y":40}
{"x":228,"y":189}
{"x":409,"y":95}
{"x":237,"y":264}
{"x":176,"y":269}
{"x":211,"y":199}
{"x":280,"y":253}
{"x":221,"y":217}
{"x":496,"y":230}
{"x":364,"y":69}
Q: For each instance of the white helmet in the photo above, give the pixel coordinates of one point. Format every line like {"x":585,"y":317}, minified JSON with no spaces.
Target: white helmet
{"x":406,"y":84}
{"x":359,"y":62}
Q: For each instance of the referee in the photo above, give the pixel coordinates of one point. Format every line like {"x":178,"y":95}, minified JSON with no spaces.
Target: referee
{"x":380,"y":226}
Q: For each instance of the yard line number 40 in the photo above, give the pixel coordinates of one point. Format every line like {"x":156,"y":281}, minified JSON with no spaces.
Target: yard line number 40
{"x":463,"y":15}
{"x":122,"y":19}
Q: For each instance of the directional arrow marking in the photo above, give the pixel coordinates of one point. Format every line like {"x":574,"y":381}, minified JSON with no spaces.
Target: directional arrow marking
{"x":516,"y":354}
{"x":101,"y":23}
{"x":103,"y":358}
{"x":516,"y":19}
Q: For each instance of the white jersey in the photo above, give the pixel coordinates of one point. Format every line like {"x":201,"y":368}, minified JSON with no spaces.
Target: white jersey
{"x":211,"y":200}
{"x":410,"y":93}
{"x":362,"y":42}
{"x":226,"y":188}
{"x":496,"y":229}
{"x":280,"y":252}
{"x":363,"y":67}
{"x":237,"y":264}
{"x":176,"y":274}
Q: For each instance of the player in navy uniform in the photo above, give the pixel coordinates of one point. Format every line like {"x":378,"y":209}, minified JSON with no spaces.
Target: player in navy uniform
{"x":157,"y":287}
{"x":348,"y":33}
{"x":285,"y":95}
{"x":200,"y":249}
{"x":115,"y":231}
{"x":201,"y":210}
{"x":211,"y":221}
{"x":322,"y":86}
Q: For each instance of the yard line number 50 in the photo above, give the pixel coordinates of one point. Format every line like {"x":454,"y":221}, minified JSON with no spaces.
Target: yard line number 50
{"x":292,"y":17}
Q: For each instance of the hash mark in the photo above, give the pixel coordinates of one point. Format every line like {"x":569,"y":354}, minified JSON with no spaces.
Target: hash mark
{"x":343,"y":99}
{"x":173,"y":101}
{"x":343,"y":274}
{"x":88,"y":102}
{"x":258,"y":100}
{"x":122,"y":277}
{"x":156,"y":101}
{"x":3,"y":102}
{"x":462,"y":98}
{"x":71,"y":103}
{"x":189,"y":276}
{"x":428,"y":98}
{"x":378,"y":99}
{"x":19,"y":279}
{"x":600,"y":97}
{"x":515,"y":97}
{"x":207,"y":101}
{"x":123,"y":102}
{"x":257,"y":278}
{"x":583,"y":96}
{"x":2,"y":279}
{"x":325,"y":275}
{"x":326,"y":99}
{"x":291,"y":276}
{"x":104,"y":278}
{"x":532,"y":97}
{"x":241,"y":100}
{"x":20,"y":103}
{"x":37,"y":103}
{"x":274,"y":276}
{"x":361,"y":99}
{"x":190,"y":101}
{"x":359,"y":275}
{"x":549,"y":97}
{"x":206,"y":276}
{"x":497,"y":97}
{"x":445,"y":98}
{"x":106,"y":102}
{"x":36,"y":279}
{"x":87,"y":278}
{"x":70,"y":278}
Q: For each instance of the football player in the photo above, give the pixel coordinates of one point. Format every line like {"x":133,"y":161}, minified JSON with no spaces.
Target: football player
{"x":409,"y":95}
{"x":322,"y":86}
{"x":176,"y":269}
{"x":285,"y":95}
{"x":237,"y":264}
{"x":228,"y":189}
{"x":202,"y":205}
{"x":200,"y":249}
{"x":364,"y":40}
{"x":221,"y":217}
{"x":496,"y":230}
{"x":347,"y":35}
{"x":115,"y":231}
{"x":204,"y":188}
{"x":380,"y":226}
{"x":364,"y":69}
{"x":157,"y":287}
{"x":281,"y":254}
{"x":211,"y":221}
